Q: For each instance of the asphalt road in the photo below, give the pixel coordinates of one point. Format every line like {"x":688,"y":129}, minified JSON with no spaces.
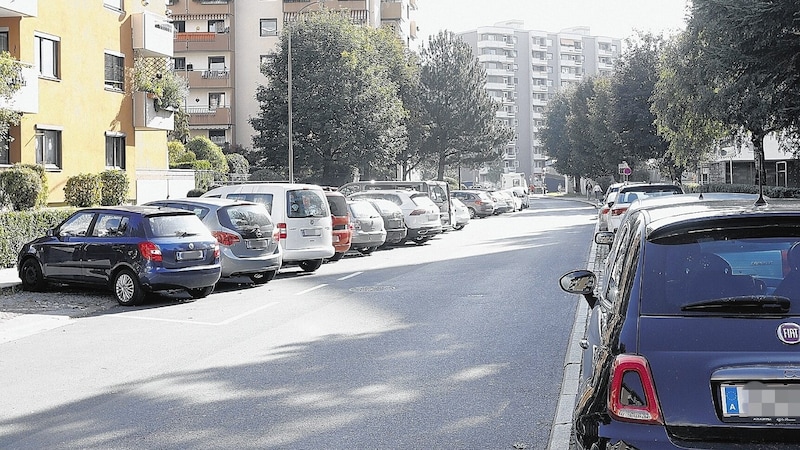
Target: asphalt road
{"x":459,"y":343}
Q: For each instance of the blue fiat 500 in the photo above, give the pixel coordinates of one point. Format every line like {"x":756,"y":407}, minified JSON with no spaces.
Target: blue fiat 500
{"x":694,"y":333}
{"x":130,"y":249}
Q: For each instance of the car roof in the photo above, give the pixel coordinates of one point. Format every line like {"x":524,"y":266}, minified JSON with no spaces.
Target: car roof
{"x":208,"y":201}
{"x":676,"y":219}
{"x":639,"y":187}
{"x":145,"y":210}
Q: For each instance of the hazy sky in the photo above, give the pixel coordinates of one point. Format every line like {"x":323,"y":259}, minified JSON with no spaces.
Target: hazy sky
{"x":611,"y":18}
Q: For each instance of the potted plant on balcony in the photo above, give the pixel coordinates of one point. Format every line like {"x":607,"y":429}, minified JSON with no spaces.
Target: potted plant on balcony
{"x":167,"y":90}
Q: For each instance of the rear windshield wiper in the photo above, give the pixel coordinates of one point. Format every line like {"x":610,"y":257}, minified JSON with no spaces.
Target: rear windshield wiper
{"x":747,"y":303}
{"x":184,"y":234}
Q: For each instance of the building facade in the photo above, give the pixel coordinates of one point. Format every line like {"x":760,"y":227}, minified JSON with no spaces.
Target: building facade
{"x":524,"y":70}
{"x":80,"y":113}
{"x":219,"y":47}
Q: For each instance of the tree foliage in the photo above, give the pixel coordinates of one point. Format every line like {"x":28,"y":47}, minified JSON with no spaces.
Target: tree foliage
{"x":11,"y":74}
{"x":459,"y":115}
{"x":346,"y":109}
{"x":204,"y":149}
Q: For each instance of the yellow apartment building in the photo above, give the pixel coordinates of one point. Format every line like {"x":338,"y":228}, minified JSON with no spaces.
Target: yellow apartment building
{"x":80,"y":113}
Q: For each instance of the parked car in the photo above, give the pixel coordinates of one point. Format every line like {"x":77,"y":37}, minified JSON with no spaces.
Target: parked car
{"x":604,"y":208}
{"x":437,"y":191}
{"x":695,"y":326}
{"x":419,"y":211}
{"x":523,"y":194}
{"x":368,"y":230}
{"x":503,"y":203}
{"x":248,"y":238}
{"x":630,"y":193}
{"x":132,"y":250}
{"x":514,"y":198}
{"x":340,"y":219}
{"x":479,"y":203}
{"x":460,"y":214}
{"x":302,"y":214}
{"x":393,"y":221}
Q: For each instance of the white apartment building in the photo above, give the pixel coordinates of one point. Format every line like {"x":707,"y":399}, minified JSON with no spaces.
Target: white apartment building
{"x":524,"y":69}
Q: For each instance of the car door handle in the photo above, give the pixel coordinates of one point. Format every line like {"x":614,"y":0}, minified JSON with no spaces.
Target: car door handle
{"x":584,"y":344}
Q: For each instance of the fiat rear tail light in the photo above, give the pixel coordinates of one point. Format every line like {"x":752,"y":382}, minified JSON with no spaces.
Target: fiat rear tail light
{"x":632,"y":394}
{"x":150,"y":251}
{"x":225,"y":238}
{"x":281,"y":231}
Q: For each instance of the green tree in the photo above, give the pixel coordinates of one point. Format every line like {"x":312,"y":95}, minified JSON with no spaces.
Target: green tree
{"x":346,"y":109}
{"x":11,"y":74}
{"x":459,"y":114}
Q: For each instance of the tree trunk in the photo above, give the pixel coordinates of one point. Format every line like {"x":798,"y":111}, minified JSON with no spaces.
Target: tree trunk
{"x":757,"y":139}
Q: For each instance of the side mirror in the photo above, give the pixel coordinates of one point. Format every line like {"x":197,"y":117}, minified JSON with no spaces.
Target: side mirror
{"x":604,"y":238}
{"x":580,"y":282}
{"x":51,"y":232}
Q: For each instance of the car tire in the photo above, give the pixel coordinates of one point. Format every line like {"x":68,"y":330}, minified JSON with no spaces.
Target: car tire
{"x":31,"y":276}
{"x":337,"y":256}
{"x":202,"y":292}
{"x":310,"y":265}
{"x":127,"y":288}
{"x":367,"y":250}
{"x":263,"y":277}
{"x":471,"y":213}
{"x":421,"y":240}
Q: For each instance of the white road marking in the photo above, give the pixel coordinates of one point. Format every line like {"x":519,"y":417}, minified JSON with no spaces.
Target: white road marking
{"x":349,"y":276}
{"x":312,"y":289}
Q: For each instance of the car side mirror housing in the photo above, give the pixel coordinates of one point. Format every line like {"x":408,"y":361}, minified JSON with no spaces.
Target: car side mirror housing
{"x":604,"y":238}
{"x":580,"y":282}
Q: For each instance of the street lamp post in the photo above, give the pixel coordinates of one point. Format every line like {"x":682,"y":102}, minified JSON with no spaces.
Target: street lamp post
{"x":289,"y":92}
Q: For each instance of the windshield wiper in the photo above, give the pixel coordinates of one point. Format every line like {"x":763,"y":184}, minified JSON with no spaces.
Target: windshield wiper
{"x":184,"y":234}
{"x":747,"y":303}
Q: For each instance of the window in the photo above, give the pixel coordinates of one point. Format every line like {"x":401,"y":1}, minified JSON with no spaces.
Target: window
{"x":4,"y":146}
{"x":3,"y":41}
{"x":179,"y":25}
{"x":48,"y":147}
{"x":216,"y":26}
{"x":216,"y":100}
{"x":217,"y":136}
{"x":269,"y":27}
{"x":179,"y":63}
{"x":114,"y":72}
{"x":115,"y":150}
{"x":216,"y":63}
{"x":46,"y":55}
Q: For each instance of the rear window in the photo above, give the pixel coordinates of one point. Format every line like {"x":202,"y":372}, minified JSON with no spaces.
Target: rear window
{"x":263,"y":198}
{"x":247,"y":220}
{"x":338,"y":205}
{"x":176,"y":225}
{"x":677,"y":272}
{"x":306,"y":203}
{"x":362,"y":210}
{"x":423,"y":200}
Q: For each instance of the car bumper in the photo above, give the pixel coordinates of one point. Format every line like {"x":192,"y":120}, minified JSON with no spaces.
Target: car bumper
{"x":307,"y":254}
{"x":369,"y":239}
{"x":341,"y":241}
{"x":233,"y":265}
{"x":188,"y":278}
{"x":395,"y":236}
{"x":414,"y":233}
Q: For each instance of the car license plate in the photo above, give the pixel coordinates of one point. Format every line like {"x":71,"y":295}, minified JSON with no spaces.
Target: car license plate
{"x":190,"y":255}
{"x":762,"y":400}
{"x":311,"y":232}
{"x":257,"y":244}
{"x":433,"y":216}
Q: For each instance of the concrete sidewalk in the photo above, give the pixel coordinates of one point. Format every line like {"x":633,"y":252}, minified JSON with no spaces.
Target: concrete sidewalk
{"x":9,"y":281}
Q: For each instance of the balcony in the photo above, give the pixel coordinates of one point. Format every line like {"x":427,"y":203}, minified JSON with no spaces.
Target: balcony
{"x":202,"y":41}
{"x":26,"y":99}
{"x":205,"y":117}
{"x":206,"y":78}
{"x":16,"y":8}
{"x":152,"y":35}
{"x":188,"y":8}
{"x":392,"y":11}
{"x":145,"y":115}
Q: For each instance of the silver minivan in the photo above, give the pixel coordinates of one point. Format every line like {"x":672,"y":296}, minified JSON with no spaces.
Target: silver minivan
{"x":301,"y":213}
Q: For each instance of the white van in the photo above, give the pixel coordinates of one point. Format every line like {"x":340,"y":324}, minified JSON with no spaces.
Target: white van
{"x":301,"y":213}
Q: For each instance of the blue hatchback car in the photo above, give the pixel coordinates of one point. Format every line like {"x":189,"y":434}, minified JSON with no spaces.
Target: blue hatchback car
{"x":694,"y":334}
{"x":130,"y":249}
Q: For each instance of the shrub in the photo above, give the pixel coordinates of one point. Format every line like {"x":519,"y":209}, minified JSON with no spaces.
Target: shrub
{"x":196,"y":192}
{"x":237,"y":164}
{"x":203,"y":148}
{"x":175,"y":150}
{"x":266,"y":175}
{"x":18,"y":227}
{"x":21,"y":187}
{"x":83,"y":190}
{"x":114,"y":186}
{"x":41,"y":201}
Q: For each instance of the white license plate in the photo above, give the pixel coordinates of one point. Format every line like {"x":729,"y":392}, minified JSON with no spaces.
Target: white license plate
{"x":311,"y":232}
{"x":433,"y":216}
{"x":756,"y":399}
{"x":257,"y":244}
{"x":190,"y":255}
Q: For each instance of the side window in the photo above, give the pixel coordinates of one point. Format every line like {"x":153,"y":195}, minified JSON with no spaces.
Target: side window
{"x":110,"y":225}
{"x":46,"y":53}
{"x":77,"y":225}
{"x":611,"y":295}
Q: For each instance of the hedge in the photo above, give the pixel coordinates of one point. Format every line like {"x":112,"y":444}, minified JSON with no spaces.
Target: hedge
{"x":19,"y":227}
{"x":769,"y":191}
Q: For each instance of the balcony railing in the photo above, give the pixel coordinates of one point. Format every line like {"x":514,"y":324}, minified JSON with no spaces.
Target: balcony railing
{"x":202,"y":41}
{"x":206,"y":78}
{"x":200,"y":116}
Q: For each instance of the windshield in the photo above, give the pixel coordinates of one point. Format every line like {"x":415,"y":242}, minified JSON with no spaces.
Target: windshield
{"x":721,"y":273}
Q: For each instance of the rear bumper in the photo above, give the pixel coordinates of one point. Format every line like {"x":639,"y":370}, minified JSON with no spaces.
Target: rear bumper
{"x":188,"y":278}
{"x":375,"y":238}
{"x":306,"y":254}
{"x":233,"y":266}
{"x":395,"y":236}
{"x":414,"y":233}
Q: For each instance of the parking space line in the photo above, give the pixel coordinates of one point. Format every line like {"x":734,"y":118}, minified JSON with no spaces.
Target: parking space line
{"x":312,"y":289}
{"x":195,"y":322}
{"x":349,"y":276}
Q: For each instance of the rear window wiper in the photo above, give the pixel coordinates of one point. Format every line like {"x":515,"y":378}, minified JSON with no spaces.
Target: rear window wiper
{"x":747,"y":303}
{"x":184,"y":234}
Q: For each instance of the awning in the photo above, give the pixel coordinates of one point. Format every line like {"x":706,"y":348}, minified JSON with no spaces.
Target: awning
{"x":209,"y":127}
{"x":198,"y":16}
